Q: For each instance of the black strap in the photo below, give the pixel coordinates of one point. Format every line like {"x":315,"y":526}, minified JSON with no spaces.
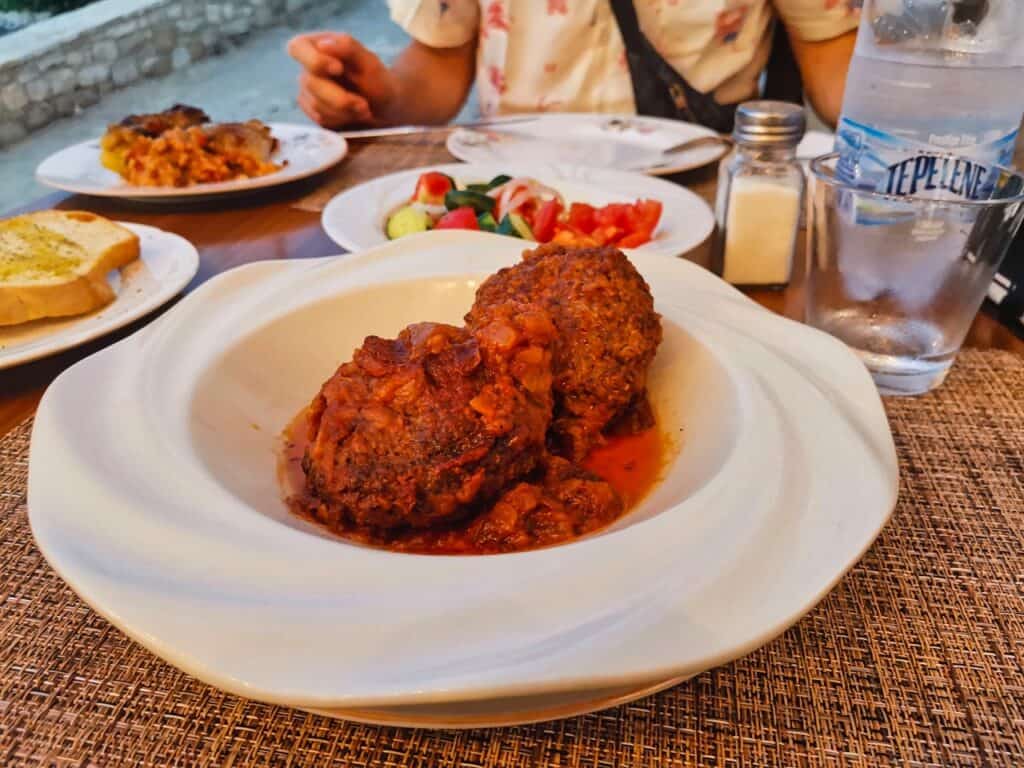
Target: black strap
{"x":660,"y":91}
{"x":782,"y":81}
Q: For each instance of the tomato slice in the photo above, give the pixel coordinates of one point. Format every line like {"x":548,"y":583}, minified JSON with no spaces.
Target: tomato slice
{"x":614,"y":215}
{"x":634,"y":240}
{"x":648,"y":214}
{"x":528,"y":211}
{"x":605,"y":235}
{"x":460,"y":218}
{"x":543,"y":224}
{"x":581,"y":217}
{"x":432,"y":187}
{"x":573,"y":239}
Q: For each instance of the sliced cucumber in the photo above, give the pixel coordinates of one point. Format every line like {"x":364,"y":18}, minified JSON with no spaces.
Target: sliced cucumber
{"x":487,"y":222}
{"x":506,"y":228}
{"x":521,"y":227}
{"x":481,"y":188}
{"x":514,"y":225}
{"x":478,"y":201}
{"x":407,"y":221}
{"x":498,"y":180}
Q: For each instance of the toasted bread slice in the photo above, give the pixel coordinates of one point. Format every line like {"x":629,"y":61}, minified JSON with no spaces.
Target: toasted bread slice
{"x":55,"y":263}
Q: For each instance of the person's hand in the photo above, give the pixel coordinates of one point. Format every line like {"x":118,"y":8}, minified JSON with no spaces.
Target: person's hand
{"x":342,"y":82}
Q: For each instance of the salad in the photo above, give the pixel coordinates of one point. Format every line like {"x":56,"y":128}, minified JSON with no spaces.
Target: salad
{"x":522,"y":207}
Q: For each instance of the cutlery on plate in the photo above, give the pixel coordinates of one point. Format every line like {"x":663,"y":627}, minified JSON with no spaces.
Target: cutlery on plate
{"x":479,"y":137}
{"x":700,"y":141}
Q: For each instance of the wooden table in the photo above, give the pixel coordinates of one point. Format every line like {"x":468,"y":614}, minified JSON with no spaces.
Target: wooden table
{"x":912,"y":659}
{"x":267,"y":226}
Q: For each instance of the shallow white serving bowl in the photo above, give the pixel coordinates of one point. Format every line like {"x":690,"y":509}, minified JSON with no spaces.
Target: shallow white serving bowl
{"x":152,"y":492}
{"x":305,"y":150}
{"x":356,"y":218}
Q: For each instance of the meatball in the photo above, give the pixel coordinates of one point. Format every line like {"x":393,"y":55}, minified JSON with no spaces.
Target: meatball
{"x":568,"y":501}
{"x":428,"y":427}
{"x":608,"y":333}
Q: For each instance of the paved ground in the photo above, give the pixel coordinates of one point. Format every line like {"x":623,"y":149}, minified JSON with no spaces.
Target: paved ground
{"x":255,"y":80}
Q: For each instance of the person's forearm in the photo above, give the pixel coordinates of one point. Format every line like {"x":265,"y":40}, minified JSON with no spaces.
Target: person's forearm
{"x":823,"y":67}
{"x":432,"y":84}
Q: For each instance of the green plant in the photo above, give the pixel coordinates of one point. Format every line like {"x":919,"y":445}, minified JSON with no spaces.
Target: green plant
{"x":42,"y":6}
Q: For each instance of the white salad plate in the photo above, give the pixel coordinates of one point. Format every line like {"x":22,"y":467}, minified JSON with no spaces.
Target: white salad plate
{"x":305,"y":150}
{"x":356,"y":218}
{"x":620,"y":142}
{"x":153,"y":492}
{"x":165,"y":266}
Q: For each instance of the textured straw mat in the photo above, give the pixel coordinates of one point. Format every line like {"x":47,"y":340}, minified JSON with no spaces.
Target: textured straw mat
{"x":370,"y":159}
{"x":915,"y":659}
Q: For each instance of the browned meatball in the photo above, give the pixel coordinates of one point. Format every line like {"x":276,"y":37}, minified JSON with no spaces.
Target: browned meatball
{"x":567,"y":502}
{"x":428,"y":427}
{"x":608,"y":333}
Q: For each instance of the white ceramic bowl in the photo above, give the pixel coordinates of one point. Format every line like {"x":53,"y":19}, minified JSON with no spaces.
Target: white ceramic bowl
{"x":152,"y":492}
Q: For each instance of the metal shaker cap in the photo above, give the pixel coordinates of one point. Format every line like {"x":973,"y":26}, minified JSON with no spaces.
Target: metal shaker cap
{"x":769,"y":123}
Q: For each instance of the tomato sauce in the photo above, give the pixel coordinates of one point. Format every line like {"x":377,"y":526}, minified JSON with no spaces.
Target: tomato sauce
{"x":631,"y":464}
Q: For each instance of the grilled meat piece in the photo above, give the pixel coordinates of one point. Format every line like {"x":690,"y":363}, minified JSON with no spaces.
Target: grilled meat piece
{"x":608,"y":333}
{"x":252,"y":137}
{"x":433,"y":425}
{"x":152,"y":125}
{"x":568,"y":501}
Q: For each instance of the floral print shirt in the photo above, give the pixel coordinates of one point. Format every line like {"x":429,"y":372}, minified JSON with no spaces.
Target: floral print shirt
{"x":567,"y":55}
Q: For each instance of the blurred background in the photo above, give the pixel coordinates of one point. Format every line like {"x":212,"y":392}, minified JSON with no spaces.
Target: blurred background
{"x":68,"y":67}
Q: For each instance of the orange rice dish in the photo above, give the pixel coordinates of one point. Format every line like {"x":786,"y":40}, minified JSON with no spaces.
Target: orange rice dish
{"x":179,"y":149}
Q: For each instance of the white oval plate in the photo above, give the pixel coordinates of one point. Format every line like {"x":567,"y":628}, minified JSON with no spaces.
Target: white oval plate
{"x":620,"y":142}
{"x":356,"y":218}
{"x":306,"y":149}
{"x":165,"y":265}
{"x":159,"y":504}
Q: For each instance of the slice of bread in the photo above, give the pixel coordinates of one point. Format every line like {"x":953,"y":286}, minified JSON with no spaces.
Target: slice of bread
{"x":55,"y":263}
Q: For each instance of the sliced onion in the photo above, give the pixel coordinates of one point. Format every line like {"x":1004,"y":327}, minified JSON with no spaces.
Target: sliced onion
{"x":507,"y":190}
{"x":548,"y":193}
{"x":513,"y":194}
{"x":496,"y":191}
{"x":519,"y":199}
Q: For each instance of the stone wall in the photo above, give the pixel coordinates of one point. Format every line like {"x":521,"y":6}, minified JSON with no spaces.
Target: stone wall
{"x":66,"y":63}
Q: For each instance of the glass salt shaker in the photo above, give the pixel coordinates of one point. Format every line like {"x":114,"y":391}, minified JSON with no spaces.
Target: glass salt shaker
{"x":760,"y":196}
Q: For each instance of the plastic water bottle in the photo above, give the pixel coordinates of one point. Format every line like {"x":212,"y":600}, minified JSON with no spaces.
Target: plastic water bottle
{"x":934,"y":96}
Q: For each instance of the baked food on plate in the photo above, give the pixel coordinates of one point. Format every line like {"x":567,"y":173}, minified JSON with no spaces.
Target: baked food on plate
{"x":180,"y":147}
{"x":55,"y":263}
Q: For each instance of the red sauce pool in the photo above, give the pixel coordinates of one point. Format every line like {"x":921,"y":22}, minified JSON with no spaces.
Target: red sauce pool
{"x":631,"y":464}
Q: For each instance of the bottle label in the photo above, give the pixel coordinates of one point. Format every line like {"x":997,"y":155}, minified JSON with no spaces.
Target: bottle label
{"x":882,"y":162}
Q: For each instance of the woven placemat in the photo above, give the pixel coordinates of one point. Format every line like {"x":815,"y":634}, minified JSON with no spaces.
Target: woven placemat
{"x":915,"y":659}
{"x":368,"y":160}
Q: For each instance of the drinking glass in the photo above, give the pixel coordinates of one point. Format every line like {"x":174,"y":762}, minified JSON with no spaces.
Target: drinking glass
{"x":900,"y":279}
